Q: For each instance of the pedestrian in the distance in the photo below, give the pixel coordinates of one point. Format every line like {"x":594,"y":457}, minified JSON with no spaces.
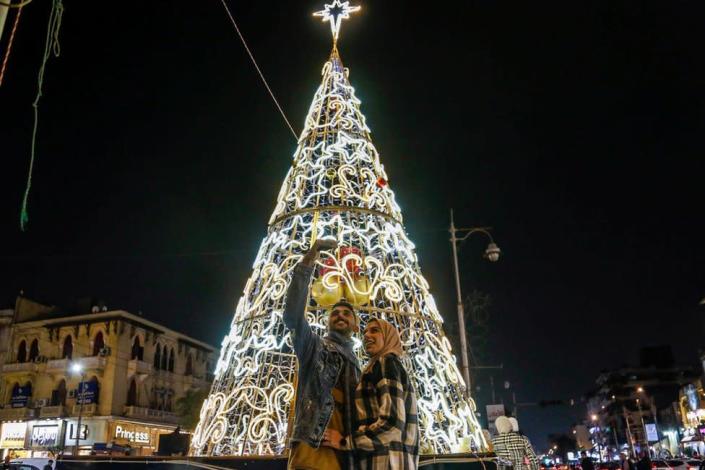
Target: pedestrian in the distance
{"x":509,"y":445}
{"x":644,"y":462}
{"x":586,"y":462}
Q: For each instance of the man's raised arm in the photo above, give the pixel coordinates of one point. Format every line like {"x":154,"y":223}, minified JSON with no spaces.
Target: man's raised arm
{"x":297,"y":298}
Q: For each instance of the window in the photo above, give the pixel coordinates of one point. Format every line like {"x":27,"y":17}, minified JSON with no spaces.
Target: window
{"x":164,"y":359}
{"x":189,"y":366}
{"x":14,"y":391}
{"x":171,"y":360}
{"x":22,"y":351}
{"x":67,"y":352}
{"x":132,"y":394}
{"x":96,"y":386}
{"x":158,"y":357}
{"x":137,"y":349}
{"x":58,"y":395}
{"x":34,"y":350}
{"x":98,"y":343}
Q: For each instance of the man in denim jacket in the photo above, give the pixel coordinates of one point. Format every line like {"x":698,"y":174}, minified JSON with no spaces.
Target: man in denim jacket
{"x":328,"y":373}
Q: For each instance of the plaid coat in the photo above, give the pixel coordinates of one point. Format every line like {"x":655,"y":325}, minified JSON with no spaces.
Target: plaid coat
{"x":387,"y":435}
{"x":514,"y":447}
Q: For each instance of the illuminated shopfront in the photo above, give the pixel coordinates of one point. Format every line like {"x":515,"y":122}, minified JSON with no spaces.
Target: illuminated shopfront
{"x":692,"y":408}
{"x":12,"y":439}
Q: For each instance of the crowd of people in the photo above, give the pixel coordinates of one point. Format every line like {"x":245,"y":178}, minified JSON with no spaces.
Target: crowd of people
{"x":348,"y":418}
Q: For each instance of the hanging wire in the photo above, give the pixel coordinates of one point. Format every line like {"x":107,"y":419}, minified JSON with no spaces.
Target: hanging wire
{"x":16,"y":5}
{"x":271,"y":93}
{"x":51,"y":45}
{"x":12,"y":38}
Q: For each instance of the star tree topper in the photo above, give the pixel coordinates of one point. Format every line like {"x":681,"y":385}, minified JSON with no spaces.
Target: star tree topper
{"x":335,"y":13}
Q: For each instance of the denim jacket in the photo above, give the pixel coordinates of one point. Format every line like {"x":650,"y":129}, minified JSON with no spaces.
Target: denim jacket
{"x":321,"y":363}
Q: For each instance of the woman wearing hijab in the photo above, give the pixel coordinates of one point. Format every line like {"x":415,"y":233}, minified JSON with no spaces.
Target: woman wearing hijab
{"x":509,"y":445}
{"x":387,"y":435}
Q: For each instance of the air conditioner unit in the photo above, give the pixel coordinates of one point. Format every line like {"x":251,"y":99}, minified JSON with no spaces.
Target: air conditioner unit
{"x":40,"y":359}
{"x":41,"y":402}
{"x":104,"y":352}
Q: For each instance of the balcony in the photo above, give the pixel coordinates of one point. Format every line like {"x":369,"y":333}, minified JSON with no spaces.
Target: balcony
{"x":89,"y":363}
{"x":92,"y":362}
{"x":58,"y":365}
{"x":137,"y":367}
{"x":52,"y":411}
{"x":19,"y":368}
{"x":151,"y":414}
{"x":17,"y":414}
{"x":89,"y":409}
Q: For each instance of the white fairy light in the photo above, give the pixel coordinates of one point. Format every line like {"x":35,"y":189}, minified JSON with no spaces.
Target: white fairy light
{"x":335,"y":13}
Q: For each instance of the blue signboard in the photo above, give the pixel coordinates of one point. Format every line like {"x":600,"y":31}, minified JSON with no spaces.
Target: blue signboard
{"x":20,"y":396}
{"x":87,"y":393}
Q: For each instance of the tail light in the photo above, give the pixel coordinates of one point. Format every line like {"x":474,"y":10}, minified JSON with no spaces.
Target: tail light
{"x":653,"y":466}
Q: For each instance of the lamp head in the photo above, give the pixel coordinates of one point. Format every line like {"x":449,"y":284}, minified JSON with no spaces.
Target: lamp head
{"x":76,"y":368}
{"x":492,"y":252}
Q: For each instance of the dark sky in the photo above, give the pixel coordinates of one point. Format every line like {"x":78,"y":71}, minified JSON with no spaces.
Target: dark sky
{"x":575,"y":129}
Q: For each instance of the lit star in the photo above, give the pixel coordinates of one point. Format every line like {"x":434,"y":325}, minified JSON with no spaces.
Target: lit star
{"x":335,"y":13}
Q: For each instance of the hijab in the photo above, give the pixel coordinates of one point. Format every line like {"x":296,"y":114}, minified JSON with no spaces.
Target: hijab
{"x":392,"y":342}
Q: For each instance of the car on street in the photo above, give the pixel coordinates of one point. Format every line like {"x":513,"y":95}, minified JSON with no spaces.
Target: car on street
{"x":31,"y":464}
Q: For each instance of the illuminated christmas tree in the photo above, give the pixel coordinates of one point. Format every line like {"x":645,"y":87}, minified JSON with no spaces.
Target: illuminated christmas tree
{"x":336,"y":188}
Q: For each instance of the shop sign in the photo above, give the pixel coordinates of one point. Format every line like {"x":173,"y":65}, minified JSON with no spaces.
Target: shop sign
{"x":651,"y":432}
{"x":494,"y":412}
{"x":20,"y":396}
{"x":12,"y":435}
{"x":134,"y":434}
{"x":87,"y":393}
{"x":44,"y":436}
{"x":91,"y":431}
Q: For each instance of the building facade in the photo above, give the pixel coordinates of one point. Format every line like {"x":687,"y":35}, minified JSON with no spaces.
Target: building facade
{"x":635,"y":409}
{"x":118,"y":373}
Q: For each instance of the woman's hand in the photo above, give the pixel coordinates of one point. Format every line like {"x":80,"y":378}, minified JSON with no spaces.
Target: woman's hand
{"x":332,"y":438}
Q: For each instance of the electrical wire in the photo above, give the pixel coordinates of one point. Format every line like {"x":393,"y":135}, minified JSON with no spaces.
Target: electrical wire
{"x":16,"y":5}
{"x":10,"y":42}
{"x":254,"y":62}
{"x":51,"y":44}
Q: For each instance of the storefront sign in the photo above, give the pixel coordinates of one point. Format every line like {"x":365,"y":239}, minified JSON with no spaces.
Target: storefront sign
{"x":92,"y":431}
{"x":651,"y":433}
{"x":87,"y":392}
{"x":136,"y":434}
{"x":44,"y":436}
{"x":12,"y":435}
{"x":494,"y":412}
{"x":20,"y":396}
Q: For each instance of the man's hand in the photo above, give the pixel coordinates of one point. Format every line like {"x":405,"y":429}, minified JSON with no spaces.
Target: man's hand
{"x":332,"y":438}
{"x":322,"y":244}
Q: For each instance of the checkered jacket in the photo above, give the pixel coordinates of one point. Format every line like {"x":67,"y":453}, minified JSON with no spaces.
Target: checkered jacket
{"x":515,"y":448}
{"x":387,"y":435}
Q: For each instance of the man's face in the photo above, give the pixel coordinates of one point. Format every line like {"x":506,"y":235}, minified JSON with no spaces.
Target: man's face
{"x":343,"y":320}
{"x":373,"y":338}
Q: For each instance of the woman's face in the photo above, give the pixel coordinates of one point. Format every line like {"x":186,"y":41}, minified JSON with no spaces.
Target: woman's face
{"x":373,"y":338}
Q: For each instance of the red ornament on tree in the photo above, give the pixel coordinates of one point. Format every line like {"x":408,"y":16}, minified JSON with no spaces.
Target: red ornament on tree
{"x":381,"y":182}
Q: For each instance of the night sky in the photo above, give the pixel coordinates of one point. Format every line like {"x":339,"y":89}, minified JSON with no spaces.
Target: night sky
{"x":574,"y":129}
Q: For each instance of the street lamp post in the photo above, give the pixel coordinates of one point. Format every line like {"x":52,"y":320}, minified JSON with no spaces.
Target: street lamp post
{"x":598,"y":438}
{"x":76,"y":368}
{"x":492,"y":253}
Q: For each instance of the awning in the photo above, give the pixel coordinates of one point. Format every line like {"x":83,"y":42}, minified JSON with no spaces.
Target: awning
{"x":692,"y":438}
